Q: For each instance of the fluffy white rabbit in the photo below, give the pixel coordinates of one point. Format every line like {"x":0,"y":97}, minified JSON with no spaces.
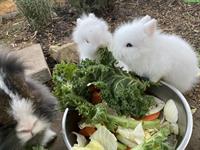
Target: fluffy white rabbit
{"x":150,"y":53}
{"x":91,"y":33}
{"x":120,"y":62}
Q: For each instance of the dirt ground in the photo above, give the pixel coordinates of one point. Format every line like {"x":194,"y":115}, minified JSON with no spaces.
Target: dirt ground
{"x":174,"y":16}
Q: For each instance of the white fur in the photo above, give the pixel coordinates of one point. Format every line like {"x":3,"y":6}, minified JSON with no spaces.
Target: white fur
{"x":156,"y":55}
{"x":122,"y":65}
{"x":90,"y":34}
{"x":48,"y":136}
{"x":144,"y":19}
{"x":22,"y":110}
{"x":32,"y":125}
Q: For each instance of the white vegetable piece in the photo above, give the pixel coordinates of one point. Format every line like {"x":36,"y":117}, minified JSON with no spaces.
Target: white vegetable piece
{"x":81,"y":140}
{"x":105,"y":138}
{"x":126,"y":141}
{"x":83,"y":125}
{"x":147,"y":135}
{"x":159,"y":105}
{"x":139,"y":134}
{"x":174,"y":128}
{"x":80,"y":148}
{"x":134,"y":135}
{"x":171,"y":111}
{"x":93,"y":145}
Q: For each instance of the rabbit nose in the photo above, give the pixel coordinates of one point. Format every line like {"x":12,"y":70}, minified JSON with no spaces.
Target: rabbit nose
{"x":27,"y":131}
{"x":28,"y":128}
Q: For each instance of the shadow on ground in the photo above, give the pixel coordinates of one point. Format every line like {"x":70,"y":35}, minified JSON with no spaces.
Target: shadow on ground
{"x":56,"y":126}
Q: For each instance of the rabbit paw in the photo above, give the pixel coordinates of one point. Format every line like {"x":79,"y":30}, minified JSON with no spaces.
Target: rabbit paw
{"x":155,"y":79}
{"x":123,"y":66}
{"x":49,"y":136}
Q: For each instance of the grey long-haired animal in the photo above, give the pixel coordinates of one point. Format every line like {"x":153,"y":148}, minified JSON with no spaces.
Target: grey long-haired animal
{"x":26,"y":107}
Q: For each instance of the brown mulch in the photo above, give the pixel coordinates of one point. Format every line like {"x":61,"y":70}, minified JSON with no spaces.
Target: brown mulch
{"x":174,"y":16}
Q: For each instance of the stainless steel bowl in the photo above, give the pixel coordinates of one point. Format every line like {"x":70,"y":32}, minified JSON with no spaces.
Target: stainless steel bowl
{"x":164,"y":92}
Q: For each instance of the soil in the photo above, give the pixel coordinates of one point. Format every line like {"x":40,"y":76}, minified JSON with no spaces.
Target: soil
{"x":174,"y":16}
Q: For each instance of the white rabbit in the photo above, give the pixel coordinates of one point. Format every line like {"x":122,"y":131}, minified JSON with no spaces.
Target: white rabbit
{"x":120,"y":62}
{"x":90,"y":34}
{"x":150,"y":53}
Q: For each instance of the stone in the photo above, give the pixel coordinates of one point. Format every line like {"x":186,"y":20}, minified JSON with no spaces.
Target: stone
{"x":67,"y":52}
{"x":8,"y":10}
{"x":7,"y":6}
{"x":33,"y":58}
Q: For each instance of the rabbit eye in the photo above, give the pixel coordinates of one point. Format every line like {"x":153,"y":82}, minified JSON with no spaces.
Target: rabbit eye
{"x":87,"y":41}
{"x":129,"y":45}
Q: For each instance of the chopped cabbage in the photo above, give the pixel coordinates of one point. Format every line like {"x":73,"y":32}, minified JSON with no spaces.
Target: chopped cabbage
{"x":171,"y":111}
{"x":93,"y":145}
{"x":105,"y":138}
{"x":81,"y":140}
{"x":159,"y":105}
{"x":126,"y":141}
{"x":135,"y":135}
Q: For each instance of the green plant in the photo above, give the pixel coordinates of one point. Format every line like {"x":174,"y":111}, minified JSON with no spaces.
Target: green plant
{"x":157,"y":142}
{"x":37,"y":12}
{"x":122,"y":91}
{"x":192,"y":1}
{"x":91,"y":5}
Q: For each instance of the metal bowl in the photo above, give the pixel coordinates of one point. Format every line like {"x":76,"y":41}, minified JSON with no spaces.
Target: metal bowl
{"x":164,"y":92}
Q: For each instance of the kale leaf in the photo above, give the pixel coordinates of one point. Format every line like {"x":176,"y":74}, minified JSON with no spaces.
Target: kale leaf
{"x":122,"y":91}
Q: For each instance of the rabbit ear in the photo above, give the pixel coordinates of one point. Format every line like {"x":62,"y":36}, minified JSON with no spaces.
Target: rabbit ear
{"x":78,"y":21}
{"x":91,"y":15}
{"x":145,"y":19}
{"x":150,"y":27}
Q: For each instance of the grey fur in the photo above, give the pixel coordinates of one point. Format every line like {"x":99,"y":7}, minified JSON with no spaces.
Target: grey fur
{"x":44,"y":102}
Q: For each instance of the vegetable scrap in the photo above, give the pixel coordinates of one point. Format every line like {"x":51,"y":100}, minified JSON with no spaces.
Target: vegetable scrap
{"x":117,"y":111}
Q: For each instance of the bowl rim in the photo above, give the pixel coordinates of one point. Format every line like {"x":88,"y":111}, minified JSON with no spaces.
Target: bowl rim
{"x":185,"y":139}
{"x":189,"y":128}
{"x":64,"y":129}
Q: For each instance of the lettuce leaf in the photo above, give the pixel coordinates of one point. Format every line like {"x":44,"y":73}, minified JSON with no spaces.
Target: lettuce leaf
{"x":135,"y":135}
{"x":105,"y":138}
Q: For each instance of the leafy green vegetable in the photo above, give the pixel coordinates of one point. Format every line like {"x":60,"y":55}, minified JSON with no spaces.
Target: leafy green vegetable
{"x":151,"y":124}
{"x":105,"y":57}
{"x":95,"y":114}
{"x":123,"y":92}
{"x":62,"y":76}
{"x":125,"y":141}
{"x":124,"y":122}
{"x":92,"y":145}
{"x":157,"y":142}
{"x":121,"y":146}
{"x":135,"y":135}
{"x":102,"y":135}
